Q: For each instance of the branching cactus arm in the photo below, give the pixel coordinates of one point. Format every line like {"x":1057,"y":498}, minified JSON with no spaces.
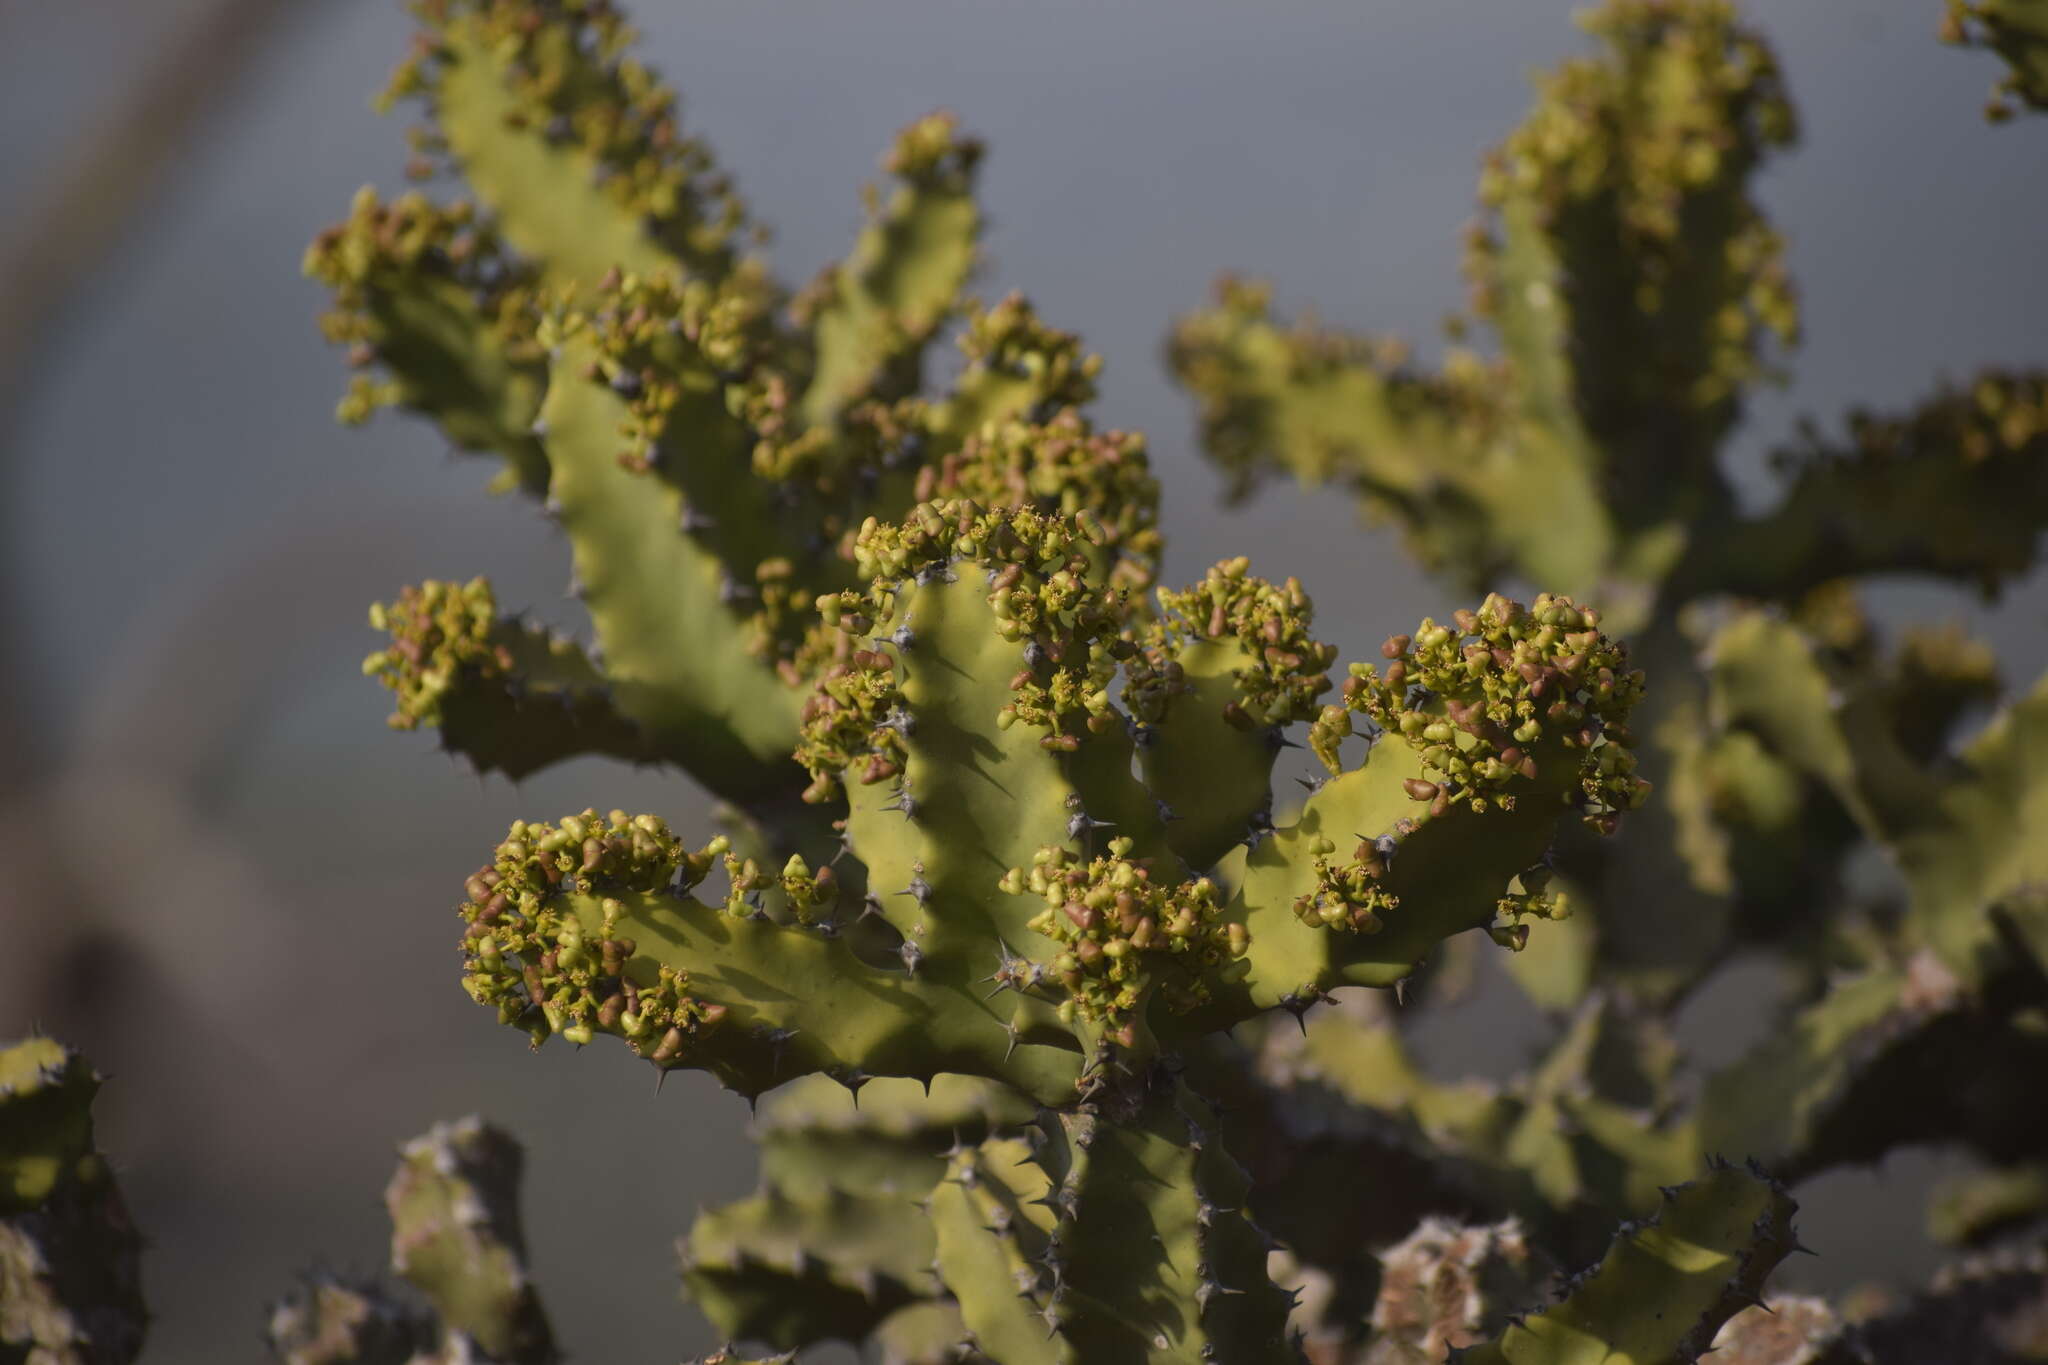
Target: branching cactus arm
{"x":1956,"y":488}
{"x":677,"y":603}
{"x":1229,"y":665}
{"x":992,"y":1223}
{"x":1155,"y":1248}
{"x":1666,"y":1286}
{"x":456,"y":1236}
{"x":873,"y":313}
{"x":1483,"y":734}
{"x":793,"y":1272}
{"x":724,"y":989}
{"x":835,"y":1245}
{"x":1324,"y":407}
{"x":1967,"y":841}
{"x":1635,"y":290}
{"x":508,"y":696}
{"x":430,"y":296}
{"x":570,"y":142}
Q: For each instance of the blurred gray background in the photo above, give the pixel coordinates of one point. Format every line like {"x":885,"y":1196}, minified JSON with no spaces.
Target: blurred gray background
{"x":233,"y":886}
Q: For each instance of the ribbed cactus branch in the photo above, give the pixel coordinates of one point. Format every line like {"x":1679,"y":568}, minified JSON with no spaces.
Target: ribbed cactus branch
{"x":1892,"y":1057}
{"x":888,"y":1136}
{"x":873,"y":313}
{"x":573,"y":144}
{"x":508,"y":696}
{"x":834,"y":1246}
{"x":1667,"y":1285}
{"x":721,"y":988}
{"x":455,"y":1235}
{"x":1980,"y":1206}
{"x":1967,"y":836}
{"x":1432,"y":453}
{"x":1955,"y":488}
{"x":429,"y":295}
{"x":1633,"y":294}
{"x":70,"y":1284}
{"x":1143,"y":1253}
{"x":1229,"y":665}
{"x":1634,"y":290}
{"x":992,"y":1226}
{"x":594,"y":322}
{"x":679,"y":619}
{"x":791,"y":1270}
{"x":1482,"y":735}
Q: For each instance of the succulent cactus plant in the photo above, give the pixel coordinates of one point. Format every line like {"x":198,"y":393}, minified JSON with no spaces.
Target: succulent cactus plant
{"x":1004,"y":823}
{"x":1070,"y":1045}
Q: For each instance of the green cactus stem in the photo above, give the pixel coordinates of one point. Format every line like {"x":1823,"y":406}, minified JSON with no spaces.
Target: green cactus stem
{"x":569,"y":141}
{"x":773,"y":1268}
{"x":1144,"y":1252}
{"x":455,"y":1236}
{"x":873,"y":313}
{"x":1974,"y":1209}
{"x":1667,"y":1285}
{"x":793,"y":1271}
{"x":1634,"y":289}
{"x":1955,"y":488}
{"x":507,"y":696}
{"x":429,"y":295}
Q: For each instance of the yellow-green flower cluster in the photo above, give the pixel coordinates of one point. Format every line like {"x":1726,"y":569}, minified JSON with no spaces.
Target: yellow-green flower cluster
{"x":932,"y":151}
{"x":845,"y":719}
{"x":655,"y":335}
{"x":531,"y":958}
{"x":1116,"y":928}
{"x":1044,"y":592}
{"x":393,"y":246}
{"x":1062,"y":468}
{"x":1009,"y":338}
{"x":1533,"y":897}
{"x":1478,"y":698}
{"x":438,"y":632}
{"x":1348,"y":896}
{"x":1289,"y":668}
